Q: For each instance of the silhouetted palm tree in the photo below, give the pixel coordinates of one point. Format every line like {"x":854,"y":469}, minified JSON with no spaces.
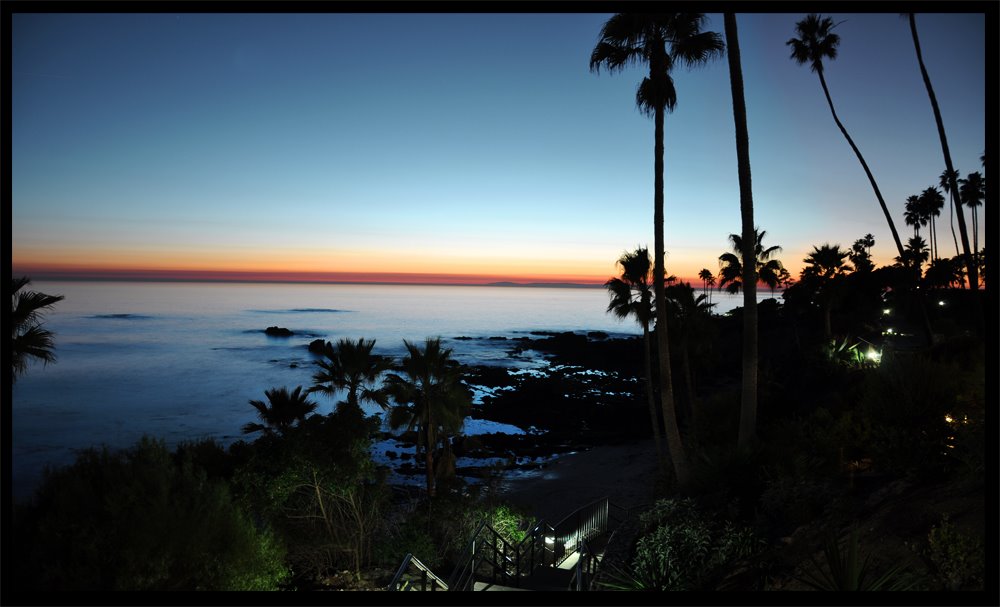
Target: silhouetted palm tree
{"x":970,"y":262}
{"x":973,"y":191}
{"x":708,"y":280}
{"x":659,"y":41}
{"x":815,"y":43}
{"x":825,"y":265}
{"x":281,"y":412}
{"x":931,"y":201}
{"x":748,"y":399}
{"x":351,"y":366}
{"x":860,"y":254}
{"x":945,"y":183}
{"x":632,"y":295}
{"x":690,"y":322}
{"x":731,"y":265}
{"x":28,"y":338}
{"x":430,"y":398}
{"x":915,"y":254}
{"x":913,"y":213}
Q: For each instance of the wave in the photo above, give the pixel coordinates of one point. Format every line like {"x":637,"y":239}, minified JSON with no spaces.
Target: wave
{"x":121,"y":316}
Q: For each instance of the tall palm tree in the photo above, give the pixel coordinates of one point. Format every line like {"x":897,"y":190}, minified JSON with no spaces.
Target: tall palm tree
{"x":351,"y":366}
{"x":748,"y":400}
{"x":970,"y":263}
{"x":815,"y":43}
{"x":430,"y":398}
{"x":28,"y":338}
{"x":973,"y":191}
{"x":945,"y":183}
{"x":632,"y":295}
{"x":659,"y":41}
{"x":731,"y":264}
{"x":824,"y":266}
{"x":931,"y":201}
{"x":281,"y":411}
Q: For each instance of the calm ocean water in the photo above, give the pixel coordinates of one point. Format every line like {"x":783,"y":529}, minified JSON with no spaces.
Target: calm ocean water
{"x":179,"y":361}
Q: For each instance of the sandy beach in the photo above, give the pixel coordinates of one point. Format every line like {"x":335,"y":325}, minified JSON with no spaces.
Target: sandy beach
{"x":626,"y":473}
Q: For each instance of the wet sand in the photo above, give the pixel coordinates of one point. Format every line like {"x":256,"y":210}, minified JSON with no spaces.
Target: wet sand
{"x":625,"y":473}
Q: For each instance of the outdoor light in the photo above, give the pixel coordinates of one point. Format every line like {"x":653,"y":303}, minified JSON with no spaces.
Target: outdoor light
{"x":888,"y":331}
{"x":874,"y":355}
{"x":550,"y":540}
{"x":948,"y":418}
{"x":887,"y":311}
{"x":941,"y":303}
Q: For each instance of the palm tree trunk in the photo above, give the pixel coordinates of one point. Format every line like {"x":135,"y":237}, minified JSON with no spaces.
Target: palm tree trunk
{"x":748,"y":400}
{"x":864,"y":165}
{"x":970,"y":263}
{"x":429,"y":455}
{"x":951,"y":221}
{"x":653,"y":417}
{"x":671,"y":431}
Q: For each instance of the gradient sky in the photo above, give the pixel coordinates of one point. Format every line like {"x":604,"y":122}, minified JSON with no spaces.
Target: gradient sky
{"x":472,"y":144}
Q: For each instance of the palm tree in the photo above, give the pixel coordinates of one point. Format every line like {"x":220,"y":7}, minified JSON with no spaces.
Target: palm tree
{"x":708,"y":280}
{"x":660,"y":41}
{"x":351,"y":366}
{"x":913,"y":214}
{"x":860,"y":254}
{"x":748,"y":400}
{"x":815,"y":43}
{"x":28,"y":339}
{"x":931,"y":201}
{"x":632,"y":295}
{"x":970,"y":262}
{"x":973,"y":192}
{"x":824,"y":265}
{"x":430,"y":398}
{"x":731,"y":265}
{"x":281,"y":412}
{"x":689,"y":316}
{"x":945,"y":183}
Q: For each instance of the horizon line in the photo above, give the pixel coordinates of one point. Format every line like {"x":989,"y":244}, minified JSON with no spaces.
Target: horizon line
{"x":300,"y":277}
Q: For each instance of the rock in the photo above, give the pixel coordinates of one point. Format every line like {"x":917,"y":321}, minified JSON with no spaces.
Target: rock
{"x":317,"y":346}
{"x":498,"y":338}
{"x":597,"y":335}
{"x":278,"y":332}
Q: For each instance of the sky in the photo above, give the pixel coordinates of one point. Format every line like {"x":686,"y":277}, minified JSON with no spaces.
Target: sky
{"x":456,"y":147}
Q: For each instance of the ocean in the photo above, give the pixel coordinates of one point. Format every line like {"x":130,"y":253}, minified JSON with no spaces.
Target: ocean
{"x":180,"y":361}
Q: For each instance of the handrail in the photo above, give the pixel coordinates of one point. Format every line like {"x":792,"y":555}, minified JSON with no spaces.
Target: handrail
{"x":586,"y":566}
{"x":426,"y":576}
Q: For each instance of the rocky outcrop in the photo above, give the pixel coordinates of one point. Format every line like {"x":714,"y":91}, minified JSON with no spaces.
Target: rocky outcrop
{"x":278,"y":332}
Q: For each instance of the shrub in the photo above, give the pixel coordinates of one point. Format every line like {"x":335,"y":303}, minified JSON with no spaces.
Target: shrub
{"x":682,"y":549}
{"x":845,"y":570}
{"x":958,"y":558}
{"x":138,"y":520}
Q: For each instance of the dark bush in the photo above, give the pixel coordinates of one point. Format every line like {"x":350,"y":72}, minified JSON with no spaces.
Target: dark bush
{"x":138,"y":520}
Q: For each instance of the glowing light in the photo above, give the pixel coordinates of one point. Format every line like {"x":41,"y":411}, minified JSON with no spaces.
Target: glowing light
{"x":941,"y":303}
{"x":888,"y":332}
{"x":948,"y":418}
{"x":887,"y":311}
{"x":874,"y":355}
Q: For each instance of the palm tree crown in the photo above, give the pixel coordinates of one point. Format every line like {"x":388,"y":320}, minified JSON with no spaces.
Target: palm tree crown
{"x":825,"y":262}
{"x":632,"y":293}
{"x":351,"y":366}
{"x":815,"y":43}
{"x":731,"y":266}
{"x":28,"y":339}
{"x":281,"y":412}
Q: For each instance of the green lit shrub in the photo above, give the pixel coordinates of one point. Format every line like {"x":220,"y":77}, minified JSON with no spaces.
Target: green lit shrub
{"x":139,"y":520}
{"x":958,"y":558}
